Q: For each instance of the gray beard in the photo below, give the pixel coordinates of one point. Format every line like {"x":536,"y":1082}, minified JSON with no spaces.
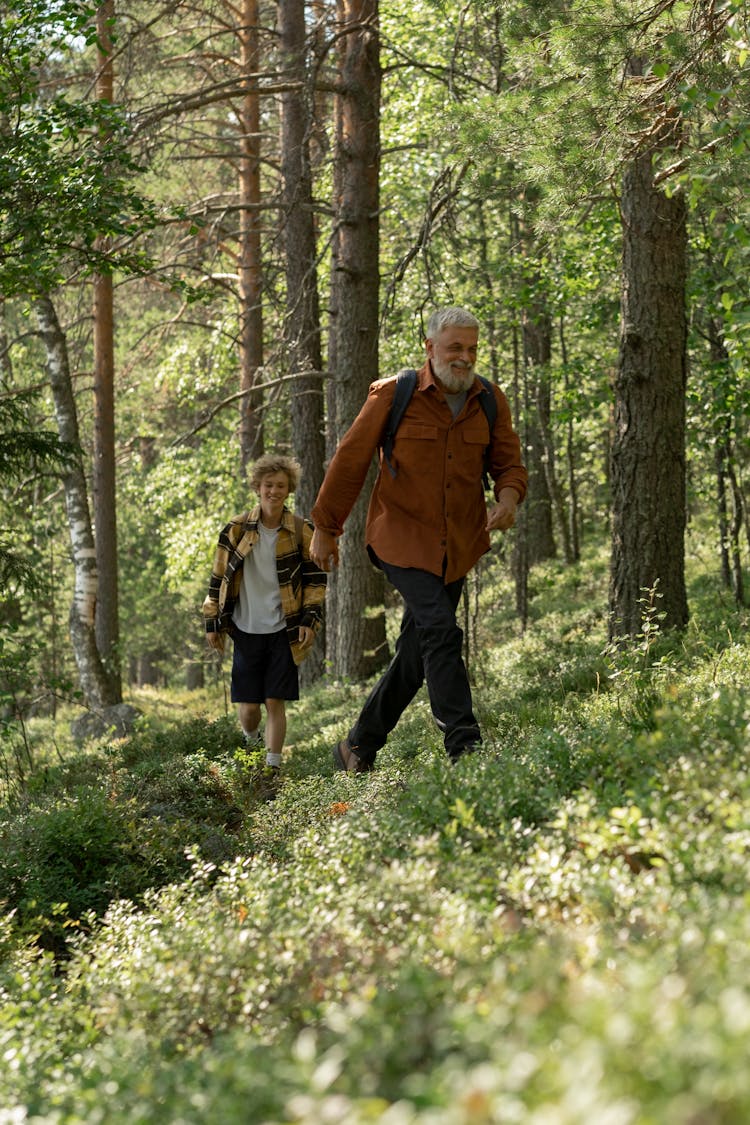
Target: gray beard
{"x":453,"y":383}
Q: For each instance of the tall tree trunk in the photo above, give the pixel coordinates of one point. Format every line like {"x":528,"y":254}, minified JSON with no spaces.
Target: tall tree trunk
{"x":648,"y":453}
{"x":357,"y":642}
{"x":721,"y":496}
{"x":249,"y":267}
{"x":490,"y":333}
{"x":570,"y":459}
{"x":549,"y":464}
{"x":735,"y":524}
{"x":520,"y":555}
{"x":727,"y":483}
{"x":6,"y":366}
{"x":537,"y":350}
{"x":94,"y":682}
{"x":536,"y":338}
{"x":520,"y":408}
{"x":104,"y":475}
{"x":302,"y":320}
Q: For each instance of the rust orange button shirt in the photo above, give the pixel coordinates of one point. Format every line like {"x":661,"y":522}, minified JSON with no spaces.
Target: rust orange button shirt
{"x":434,"y":508}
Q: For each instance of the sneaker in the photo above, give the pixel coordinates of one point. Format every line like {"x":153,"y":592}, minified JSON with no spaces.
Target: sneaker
{"x":259,"y":782}
{"x":268,"y":782}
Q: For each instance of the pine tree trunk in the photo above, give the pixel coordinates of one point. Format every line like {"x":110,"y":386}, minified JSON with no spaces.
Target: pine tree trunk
{"x":249,"y":266}
{"x":549,"y":464}
{"x":727,"y":483}
{"x":537,"y":350}
{"x":302,"y":320}
{"x":735,"y":525}
{"x":104,"y":473}
{"x":520,"y":555}
{"x":648,"y":453}
{"x":357,"y":643}
{"x":570,"y":458}
{"x":6,"y":366}
{"x":93,"y":680}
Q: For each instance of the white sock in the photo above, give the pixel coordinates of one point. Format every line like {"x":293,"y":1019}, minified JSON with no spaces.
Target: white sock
{"x":273,"y":759}
{"x":251,"y":735}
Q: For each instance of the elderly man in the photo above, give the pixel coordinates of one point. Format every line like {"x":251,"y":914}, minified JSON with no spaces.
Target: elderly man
{"x":427,"y":525}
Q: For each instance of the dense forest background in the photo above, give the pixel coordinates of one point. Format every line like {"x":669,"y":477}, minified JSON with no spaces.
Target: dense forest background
{"x":220,"y":221}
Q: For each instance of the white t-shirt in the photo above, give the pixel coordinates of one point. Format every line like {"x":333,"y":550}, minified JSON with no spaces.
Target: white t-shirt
{"x":258,"y":608}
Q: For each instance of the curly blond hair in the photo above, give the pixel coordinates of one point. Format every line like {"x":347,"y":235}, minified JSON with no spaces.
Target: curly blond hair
{"x":275,"y":463}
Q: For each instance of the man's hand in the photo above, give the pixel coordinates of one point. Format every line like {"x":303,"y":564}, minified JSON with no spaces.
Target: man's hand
{"x":502,"y":515}
{"x":324,"y":550}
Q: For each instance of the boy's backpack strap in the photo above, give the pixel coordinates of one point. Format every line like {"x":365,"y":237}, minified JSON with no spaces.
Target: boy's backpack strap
{"x":406,"y":381}
{"x":299,"y":523}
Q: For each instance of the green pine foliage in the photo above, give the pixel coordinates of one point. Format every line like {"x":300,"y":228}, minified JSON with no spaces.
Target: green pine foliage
{"x":553,"y":930}
{"x":23,"y":449}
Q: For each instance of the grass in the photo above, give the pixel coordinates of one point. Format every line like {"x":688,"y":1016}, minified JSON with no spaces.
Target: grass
{"x":555,"y":931}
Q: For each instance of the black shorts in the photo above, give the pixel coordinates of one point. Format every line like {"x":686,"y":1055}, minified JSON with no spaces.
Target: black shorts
{"x":262,"y":667}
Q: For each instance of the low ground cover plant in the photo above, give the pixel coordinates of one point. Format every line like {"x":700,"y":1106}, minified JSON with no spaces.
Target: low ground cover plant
{"x":553,"y":931}
{"x":113,"y":822}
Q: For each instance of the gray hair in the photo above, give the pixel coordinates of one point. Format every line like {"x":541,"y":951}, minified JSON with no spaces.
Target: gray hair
{"x":451,"y":317}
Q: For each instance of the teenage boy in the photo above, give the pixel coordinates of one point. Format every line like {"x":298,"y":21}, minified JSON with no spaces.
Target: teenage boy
{"x":267,"y":594}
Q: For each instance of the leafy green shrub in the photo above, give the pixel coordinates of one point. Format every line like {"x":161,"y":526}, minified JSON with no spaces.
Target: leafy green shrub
{"x":216,"y":739}
{"x":339,"y":988}
{"x":66,"y":856}
{"x":190,"y":787}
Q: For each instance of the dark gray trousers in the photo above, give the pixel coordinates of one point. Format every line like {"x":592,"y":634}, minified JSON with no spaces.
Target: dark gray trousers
{"x":429,"y":647}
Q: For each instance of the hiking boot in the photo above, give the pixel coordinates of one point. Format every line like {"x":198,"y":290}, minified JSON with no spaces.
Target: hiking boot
{"x":345,"y":758}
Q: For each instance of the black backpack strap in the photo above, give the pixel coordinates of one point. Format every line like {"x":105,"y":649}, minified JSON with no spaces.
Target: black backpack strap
{"x":488,"y":403}
{"x":406,"y":381}
{"x":299,"y":523}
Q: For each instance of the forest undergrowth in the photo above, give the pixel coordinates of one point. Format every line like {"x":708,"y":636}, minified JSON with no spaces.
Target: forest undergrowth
{"x":555,"y":931}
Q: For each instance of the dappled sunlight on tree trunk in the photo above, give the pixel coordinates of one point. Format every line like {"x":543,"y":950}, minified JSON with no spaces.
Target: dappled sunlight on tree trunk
{"x":250,"y":268}
{"x":302,"y":349}
{"x":648,"y":454}
{"x":104,"y":473}
{"x":357,"y":633}
{"x":94,"y":682}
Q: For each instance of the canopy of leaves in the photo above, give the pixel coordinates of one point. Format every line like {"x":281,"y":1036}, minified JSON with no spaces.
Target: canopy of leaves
{"x":65,"y":168}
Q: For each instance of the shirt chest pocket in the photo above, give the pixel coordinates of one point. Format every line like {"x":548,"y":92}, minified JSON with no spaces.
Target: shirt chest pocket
{"x":416,"y":431}
{"x":476,"y":435}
